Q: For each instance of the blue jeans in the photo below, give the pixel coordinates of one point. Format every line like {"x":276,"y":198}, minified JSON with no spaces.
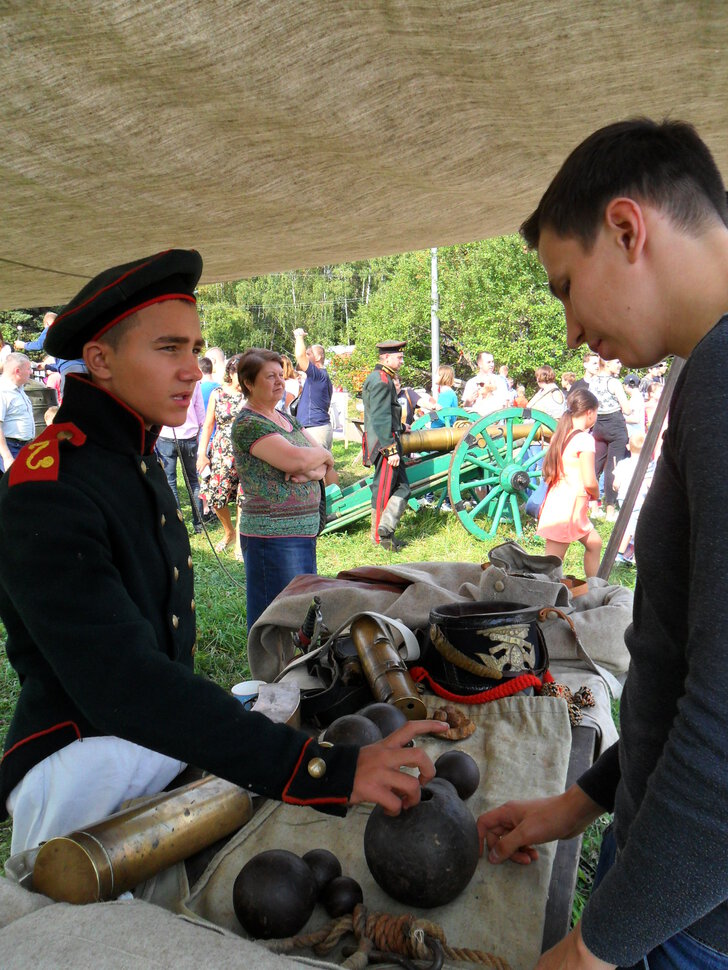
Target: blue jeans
{"x":167,"y":451}
{"x":14,"y":447}
{"x":680,"y":952}
{"x":270,"y":565}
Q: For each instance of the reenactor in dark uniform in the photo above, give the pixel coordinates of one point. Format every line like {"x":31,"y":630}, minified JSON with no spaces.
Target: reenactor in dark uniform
{"x":103,"y":646}
{"x":381,"y":445}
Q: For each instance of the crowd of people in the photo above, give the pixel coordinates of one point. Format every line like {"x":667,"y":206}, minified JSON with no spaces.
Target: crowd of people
{"x":206,"y":447}
{"x":591,"y":472}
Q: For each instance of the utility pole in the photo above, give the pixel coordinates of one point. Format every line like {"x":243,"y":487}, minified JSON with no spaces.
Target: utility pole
{"x":434,"y":317}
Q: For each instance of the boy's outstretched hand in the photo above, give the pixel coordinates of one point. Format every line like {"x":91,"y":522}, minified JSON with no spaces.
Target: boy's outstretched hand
{"x":378,"y":777}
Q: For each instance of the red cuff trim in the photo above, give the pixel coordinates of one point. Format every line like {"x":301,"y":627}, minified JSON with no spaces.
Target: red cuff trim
{"x":505,"y":689}
{"x":40,"y":734}
{"x":291,"y":800}
{"x":295,"y":770}
{"x":316,"y":801}
{"x":141,"y":306}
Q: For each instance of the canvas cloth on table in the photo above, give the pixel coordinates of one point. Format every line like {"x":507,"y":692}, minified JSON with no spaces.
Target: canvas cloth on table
{"x":522,"y":747}
{"x":118,"y":936}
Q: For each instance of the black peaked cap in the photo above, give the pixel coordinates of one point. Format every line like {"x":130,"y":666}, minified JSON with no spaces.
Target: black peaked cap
{"x":117,"y":292}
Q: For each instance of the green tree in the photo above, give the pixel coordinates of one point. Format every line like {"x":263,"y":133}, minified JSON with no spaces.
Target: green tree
{"x":493,"y":296}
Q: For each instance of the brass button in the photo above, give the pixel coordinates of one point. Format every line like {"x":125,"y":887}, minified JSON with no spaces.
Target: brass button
{"x":189,"y":562}
{"x":175,"y":621}
{"x":499,"y":586}
{"x":317,"y":767}
{"x":176,"y":574}
{"x":180,"y":516}
{"x":163,"y":519}
{"x":325,"y":744}
{"x":192,"y":606}
{"x":143,"y":467}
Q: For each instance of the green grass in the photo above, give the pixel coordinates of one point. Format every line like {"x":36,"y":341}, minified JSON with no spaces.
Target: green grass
{"x":220,"y":596}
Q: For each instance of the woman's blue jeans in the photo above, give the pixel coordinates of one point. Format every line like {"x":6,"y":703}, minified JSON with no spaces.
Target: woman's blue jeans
{"x":270,"y":565}
{"x":680,"y":952}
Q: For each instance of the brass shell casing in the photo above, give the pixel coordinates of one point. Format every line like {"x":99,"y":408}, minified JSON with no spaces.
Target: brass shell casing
{"x":134,"y":844}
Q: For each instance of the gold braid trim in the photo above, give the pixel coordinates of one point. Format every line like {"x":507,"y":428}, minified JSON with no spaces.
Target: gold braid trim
{"x":449,"y":652}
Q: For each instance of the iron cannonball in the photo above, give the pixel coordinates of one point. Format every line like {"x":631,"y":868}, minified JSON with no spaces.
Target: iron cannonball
{"x":459,"y":769}
{"x":324,"y":865}
{"x":352,"y":729}
{"x":341,"y":895}
{"x":274,"y":894}
{"x":426,"y":855}
{"x":387,"y":717}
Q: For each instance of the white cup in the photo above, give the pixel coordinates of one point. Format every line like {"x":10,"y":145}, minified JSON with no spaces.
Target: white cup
{"x":247,"y":689}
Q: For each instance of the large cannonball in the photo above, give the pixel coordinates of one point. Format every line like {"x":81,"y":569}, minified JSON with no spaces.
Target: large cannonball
{"x":352,"y":729}
{"x":426,"y":855}
{"x":274,"y":894}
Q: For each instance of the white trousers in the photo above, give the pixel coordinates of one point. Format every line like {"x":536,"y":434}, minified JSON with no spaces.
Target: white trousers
{"x":83,"y":783}
{"x":324,"y":434}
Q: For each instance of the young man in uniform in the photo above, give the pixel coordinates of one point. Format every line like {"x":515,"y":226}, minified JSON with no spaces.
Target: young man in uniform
{"x":382,"y":425}
{"x":633,"y":234}
{"x":109,"y":705}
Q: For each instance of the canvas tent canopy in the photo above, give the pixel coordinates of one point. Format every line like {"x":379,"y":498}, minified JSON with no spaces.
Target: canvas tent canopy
{"x":273,"y":135}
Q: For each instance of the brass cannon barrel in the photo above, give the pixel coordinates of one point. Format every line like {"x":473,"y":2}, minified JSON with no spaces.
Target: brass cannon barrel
{"x":127,"y":848}
{"x":447,"y":439}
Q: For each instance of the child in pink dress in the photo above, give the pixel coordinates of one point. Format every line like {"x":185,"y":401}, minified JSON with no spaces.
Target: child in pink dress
{"x":569,"y":469}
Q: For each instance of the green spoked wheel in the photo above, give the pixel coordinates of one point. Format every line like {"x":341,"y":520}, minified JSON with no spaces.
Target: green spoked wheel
{"x":495,"y":466}
{"x":424,"y":422}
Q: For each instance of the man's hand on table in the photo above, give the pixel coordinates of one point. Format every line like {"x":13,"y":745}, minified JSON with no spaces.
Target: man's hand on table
{"x":378,"y":777}
{"x":512,"y":830}
{"x":571,"y":954}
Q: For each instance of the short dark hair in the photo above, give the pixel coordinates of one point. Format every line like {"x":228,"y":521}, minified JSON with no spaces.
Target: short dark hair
{"x":114,"y":335}
{"x":205,"y":365}
{"x":667,"y":165}
{"x":250,"y":363}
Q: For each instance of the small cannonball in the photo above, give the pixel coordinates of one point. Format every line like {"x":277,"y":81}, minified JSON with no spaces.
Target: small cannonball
{"x":460,"y":770}
{"x":444,"y":785}
{"x":324,"y":865}
{"x":341,"y":896}
{"x":352,"y":729}
{"x":387,"y":717}
{"x":274,"y":894}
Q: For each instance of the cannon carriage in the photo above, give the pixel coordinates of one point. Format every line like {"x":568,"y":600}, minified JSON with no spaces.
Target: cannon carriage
{"x":486,"y":467}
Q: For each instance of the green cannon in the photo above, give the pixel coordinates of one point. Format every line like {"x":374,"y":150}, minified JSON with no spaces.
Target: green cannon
{"x":486,"y":466}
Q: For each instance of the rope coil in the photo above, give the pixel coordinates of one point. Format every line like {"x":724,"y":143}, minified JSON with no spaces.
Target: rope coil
{"x":382,"y":933}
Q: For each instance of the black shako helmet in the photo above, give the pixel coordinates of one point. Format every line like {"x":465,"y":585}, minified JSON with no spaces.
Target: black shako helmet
{"x":483,"y":651}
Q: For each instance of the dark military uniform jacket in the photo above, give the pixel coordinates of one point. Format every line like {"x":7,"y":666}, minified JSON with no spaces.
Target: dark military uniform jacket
{"x":97,"y":597}
{"x":382,"y":414}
